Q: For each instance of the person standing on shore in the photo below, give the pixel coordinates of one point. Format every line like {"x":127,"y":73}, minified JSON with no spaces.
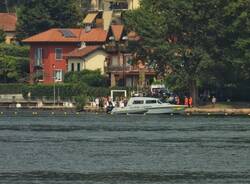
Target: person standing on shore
{"x":97,"y":101}
{"x":213,"y":101}
{"x":177,"y":100}
{"x":190,"y":102}
{"x":186,"y":101}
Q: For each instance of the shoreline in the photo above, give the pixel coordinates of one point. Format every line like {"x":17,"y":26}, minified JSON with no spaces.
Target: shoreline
{"x":195,"y":111}
{"x":218,"y":111}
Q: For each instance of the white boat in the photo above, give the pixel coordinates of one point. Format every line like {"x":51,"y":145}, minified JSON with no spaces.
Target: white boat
{"x":148,"y":105}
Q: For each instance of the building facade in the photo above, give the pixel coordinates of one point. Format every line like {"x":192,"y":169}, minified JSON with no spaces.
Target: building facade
{"x":8,"y":25}
{"x":49,"y":51}
{"x":100,"y":45}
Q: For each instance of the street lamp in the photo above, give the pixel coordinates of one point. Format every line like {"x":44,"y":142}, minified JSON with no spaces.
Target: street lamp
{"x":54,"y":83}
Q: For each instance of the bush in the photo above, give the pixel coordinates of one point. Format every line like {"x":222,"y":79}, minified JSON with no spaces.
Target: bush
{"x":65,"y":91}
{"x":11,"y":88}
{"x":89,"y":77}
{"x":81,"y":101}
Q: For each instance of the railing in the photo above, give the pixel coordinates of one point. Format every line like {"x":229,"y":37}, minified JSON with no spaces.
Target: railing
{"x":112,"y":47}
{"x":127,"y":68}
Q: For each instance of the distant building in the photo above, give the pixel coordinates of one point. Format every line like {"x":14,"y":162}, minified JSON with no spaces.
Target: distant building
{"x":87,"y":57}
{"x":8,"y":25}
{"x":49,"y":51}
{"x":101,"y":44}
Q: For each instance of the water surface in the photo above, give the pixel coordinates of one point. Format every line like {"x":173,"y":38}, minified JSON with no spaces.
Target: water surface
{"x":108,"y":149}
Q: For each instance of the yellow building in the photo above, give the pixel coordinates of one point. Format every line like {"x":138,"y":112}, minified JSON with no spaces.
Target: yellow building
{"x":114,"y":4}
{"x":87,"y":58}
{"x":8,"y":25}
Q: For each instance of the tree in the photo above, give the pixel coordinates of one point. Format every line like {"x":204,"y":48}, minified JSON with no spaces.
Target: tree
{"x":2,"y":36}
{"x":89,"y":77}
{"x":14,"y":63}
{"x":188,"y":41}
{"x":37,"y":16}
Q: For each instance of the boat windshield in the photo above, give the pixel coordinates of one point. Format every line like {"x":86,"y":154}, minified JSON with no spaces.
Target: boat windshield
{"x":159,"y":102}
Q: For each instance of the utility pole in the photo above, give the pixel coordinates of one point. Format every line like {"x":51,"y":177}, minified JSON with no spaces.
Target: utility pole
{"x":54,"y":83}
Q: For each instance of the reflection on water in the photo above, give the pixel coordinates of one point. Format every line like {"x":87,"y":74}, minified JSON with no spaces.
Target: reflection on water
{"x":124,"y":149}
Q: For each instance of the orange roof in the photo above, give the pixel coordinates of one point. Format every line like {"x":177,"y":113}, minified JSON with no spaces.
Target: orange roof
{"x":117,"y":31}
{"x":8,"y":21}
{"x":82,"y":52}
{"x":79,"y":35}
{"x":95,"y":35}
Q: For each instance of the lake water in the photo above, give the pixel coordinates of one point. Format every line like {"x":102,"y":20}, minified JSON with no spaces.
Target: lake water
{"x":107,"y":149}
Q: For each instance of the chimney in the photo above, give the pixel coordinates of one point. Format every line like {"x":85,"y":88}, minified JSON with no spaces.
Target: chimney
{"x":87,"y":28}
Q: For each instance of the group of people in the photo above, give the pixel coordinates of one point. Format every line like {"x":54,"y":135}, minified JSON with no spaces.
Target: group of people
{"x":104,"y":102}
{"x":188,"y":101}
{"x":107,"y":102}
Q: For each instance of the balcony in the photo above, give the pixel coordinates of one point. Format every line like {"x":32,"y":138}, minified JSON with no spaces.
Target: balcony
{"x":116,"y":47}
{"x":129,"y":69}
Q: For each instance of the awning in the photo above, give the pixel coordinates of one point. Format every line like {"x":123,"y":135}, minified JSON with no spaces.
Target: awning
{"x":90,"y":18}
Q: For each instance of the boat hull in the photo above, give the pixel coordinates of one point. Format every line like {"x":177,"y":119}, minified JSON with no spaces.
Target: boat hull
{"x":128,"y":111}
{"x":165,"y":110}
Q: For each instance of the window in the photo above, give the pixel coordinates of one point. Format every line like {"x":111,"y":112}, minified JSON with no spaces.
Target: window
{"x":138,"y":102}
{"x":39,"y":75}
{"x":58,"y":75}
{"x":72,"y":67}
{"x":59,"y":54}
{"x":115,"y":61}
{"x":150,"y":101}
{"x":38,"y":56}
{"x":78,"y":67}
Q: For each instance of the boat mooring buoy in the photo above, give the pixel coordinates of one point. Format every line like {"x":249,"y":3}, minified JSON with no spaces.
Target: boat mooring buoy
{"x":208,"y":114}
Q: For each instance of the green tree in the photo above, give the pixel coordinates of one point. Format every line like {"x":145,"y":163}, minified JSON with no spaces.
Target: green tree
{"x":190,"y":42}
{"x":14,"y":63}
{"x":2,"y":36}
{"x":89,"y":77}
{"x":37,"y":16}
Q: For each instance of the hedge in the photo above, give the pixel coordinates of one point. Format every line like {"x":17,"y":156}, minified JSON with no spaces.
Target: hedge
{"x":66,"y":90}
{"x":11,"y":88}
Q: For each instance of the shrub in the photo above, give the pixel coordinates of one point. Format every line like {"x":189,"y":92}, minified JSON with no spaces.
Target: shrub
{"x":81,"y":102}
{"x":89,"y":77}
{"x":11,"y":88}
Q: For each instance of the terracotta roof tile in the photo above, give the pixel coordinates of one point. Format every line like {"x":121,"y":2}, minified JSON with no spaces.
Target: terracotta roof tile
{"x":95,"y":35}
{"x":117,"y":31}
{"x":55,"y":35}
{"x":8,"y":21}
{"x":82,"y":52}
